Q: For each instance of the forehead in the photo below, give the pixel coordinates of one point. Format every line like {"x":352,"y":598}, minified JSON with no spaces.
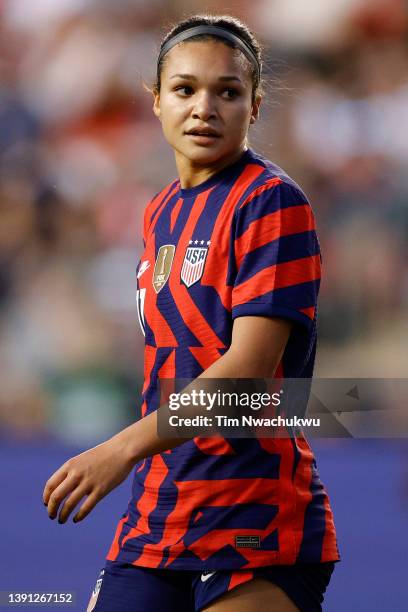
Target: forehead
{"x":206,"y":59}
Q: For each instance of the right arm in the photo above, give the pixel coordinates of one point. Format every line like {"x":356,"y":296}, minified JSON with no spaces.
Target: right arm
{"x":256,"y":348}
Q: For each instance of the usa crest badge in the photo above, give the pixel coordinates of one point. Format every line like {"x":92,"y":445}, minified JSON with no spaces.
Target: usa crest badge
{"x":193,"y":264}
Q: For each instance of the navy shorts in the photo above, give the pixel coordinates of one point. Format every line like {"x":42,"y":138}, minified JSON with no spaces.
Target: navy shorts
{"x":128,"y":588}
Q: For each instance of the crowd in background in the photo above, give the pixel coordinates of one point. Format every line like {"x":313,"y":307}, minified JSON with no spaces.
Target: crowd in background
{"x":81,"y":154}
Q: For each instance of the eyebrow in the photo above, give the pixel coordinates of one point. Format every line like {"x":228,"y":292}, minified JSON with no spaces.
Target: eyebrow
{"x":191,"y":77}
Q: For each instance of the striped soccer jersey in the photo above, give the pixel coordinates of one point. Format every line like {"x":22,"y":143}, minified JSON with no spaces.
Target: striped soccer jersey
{"x":241,"y":243}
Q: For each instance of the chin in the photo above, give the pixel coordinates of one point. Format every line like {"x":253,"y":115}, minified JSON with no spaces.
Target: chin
{"x":205,"y":155}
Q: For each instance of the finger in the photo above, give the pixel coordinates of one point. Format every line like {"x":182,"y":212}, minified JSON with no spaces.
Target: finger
{"x":53,"y":482}
{"x":87,"y":506}
{"x":64,"y":489}
{"x":70,"y":503}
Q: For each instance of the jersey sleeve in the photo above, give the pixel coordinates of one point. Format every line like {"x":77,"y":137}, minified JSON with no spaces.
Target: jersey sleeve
{"x":276,"y":261}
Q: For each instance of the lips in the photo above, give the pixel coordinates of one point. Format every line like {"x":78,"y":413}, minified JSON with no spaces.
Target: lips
{"x":209,"y":132}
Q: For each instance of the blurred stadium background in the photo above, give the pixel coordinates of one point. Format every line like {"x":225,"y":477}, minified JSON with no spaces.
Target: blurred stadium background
{"x":79,"y":153}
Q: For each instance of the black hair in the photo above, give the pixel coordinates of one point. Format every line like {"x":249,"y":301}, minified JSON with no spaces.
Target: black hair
{"x":228,"y":22}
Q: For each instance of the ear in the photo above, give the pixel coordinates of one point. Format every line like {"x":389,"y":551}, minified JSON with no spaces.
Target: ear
{"x":156,"y":105}
{"x":255,"y":109}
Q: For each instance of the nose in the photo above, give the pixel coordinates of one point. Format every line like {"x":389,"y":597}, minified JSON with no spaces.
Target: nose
{"x":204,"y":107}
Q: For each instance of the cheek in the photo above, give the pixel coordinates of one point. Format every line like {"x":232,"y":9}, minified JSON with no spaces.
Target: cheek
{"x":172,"y":114}
{"x":239,"y":119}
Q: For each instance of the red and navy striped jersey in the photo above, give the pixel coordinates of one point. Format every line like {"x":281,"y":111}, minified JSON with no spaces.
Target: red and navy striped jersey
{"x":241,"y":243}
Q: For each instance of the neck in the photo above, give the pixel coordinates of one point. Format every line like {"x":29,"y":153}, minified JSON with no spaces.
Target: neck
{"x":192,"y":174}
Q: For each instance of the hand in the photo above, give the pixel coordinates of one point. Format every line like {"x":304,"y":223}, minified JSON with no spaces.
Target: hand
{"x":93,"y":473}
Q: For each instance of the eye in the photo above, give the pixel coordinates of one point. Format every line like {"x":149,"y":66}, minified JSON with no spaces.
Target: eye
{"x":184,"y":90}
{"x":230,"y":93}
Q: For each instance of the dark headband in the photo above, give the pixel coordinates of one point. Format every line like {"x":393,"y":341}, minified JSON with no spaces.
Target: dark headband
{"x":213,"y":30}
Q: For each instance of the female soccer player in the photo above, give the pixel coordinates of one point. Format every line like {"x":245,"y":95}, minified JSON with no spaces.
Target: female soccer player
{"x":227,"y":288}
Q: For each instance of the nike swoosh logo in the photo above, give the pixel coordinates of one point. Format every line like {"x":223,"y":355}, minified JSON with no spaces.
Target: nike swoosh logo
{"x":205,"y":577}
{"x":143,"y":267}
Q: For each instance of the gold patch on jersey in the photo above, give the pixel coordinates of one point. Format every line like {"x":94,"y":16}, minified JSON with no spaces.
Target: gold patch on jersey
{"x":162,"y":266}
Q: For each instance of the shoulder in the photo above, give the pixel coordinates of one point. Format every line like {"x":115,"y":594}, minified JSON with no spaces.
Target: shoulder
{"x":273,"y":187}
{"x":161,"y":196}
{"x":156,"y":202}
